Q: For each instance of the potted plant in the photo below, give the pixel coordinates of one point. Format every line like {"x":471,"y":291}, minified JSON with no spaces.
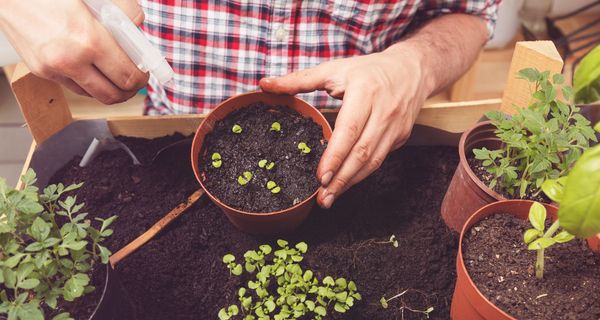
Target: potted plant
{"x":256,"y":156}
{"x":502,"y":258}
{"x":52,"y":258}
{"x":511,"y":157}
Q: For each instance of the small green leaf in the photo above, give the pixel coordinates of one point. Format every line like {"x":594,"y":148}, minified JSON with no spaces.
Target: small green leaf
{"x":563,"y":237}
{"x":216,"y":156}
{"x":276,"y":126}
{"x":303,"y":147}
{"x":530,"y":235}
{"x":262,"y":163}
{"x":529,"y":74}
{"x":270,"y":165}
{"x":541,"y":243}
{"x":383,"y":302}
{"x":236,"y":129}
{"x":328,"y":281}
{"x":28,"y":284}
{"x":320,"y":310}
{"x":282,"y":243}
{"x":553,"y":189}
{"x":276,"y":190}
{"x":265,"y":248}
{"x":228,"y":258}
{"x":302,"y":247}
{"x":271,"y":184}
{"x":537,"y":216}
{"x":237,"y":270}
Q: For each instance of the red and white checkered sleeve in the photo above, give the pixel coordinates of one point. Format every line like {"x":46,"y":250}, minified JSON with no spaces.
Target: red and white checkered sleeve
{"x":485,"y":9}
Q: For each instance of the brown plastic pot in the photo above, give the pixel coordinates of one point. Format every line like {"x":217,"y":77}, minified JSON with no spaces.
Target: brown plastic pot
{"x":466,"y":192}
{"x":467,"y":301}
{"x":251,"y":222}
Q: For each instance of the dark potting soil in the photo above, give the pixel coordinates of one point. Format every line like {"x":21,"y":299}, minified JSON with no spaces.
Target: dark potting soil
{"x":294,"y":172}
{"x":180,"y":274}
{"x":504,"y":271}
{"x":480,"y":171}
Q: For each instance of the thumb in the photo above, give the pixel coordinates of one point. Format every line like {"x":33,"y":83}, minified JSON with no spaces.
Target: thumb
{"x":307,"y":80}
{"x":132,"y":9}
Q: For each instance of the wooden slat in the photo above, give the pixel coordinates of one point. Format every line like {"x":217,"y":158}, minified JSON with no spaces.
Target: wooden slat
{"x":528,"y":54}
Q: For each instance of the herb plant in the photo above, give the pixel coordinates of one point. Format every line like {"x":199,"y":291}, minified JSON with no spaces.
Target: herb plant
{"x":216,"y":160}
{"x":236,"y":129}
{"x":42,"y":261}
{"x":303,"y":147}
{"x":540,"y":142}
{"x":280,"y":289}
{"x":245,"y":178}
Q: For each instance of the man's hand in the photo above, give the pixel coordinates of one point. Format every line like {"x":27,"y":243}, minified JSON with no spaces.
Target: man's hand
{"x":382,"y":94}
{"x":62,"y":41}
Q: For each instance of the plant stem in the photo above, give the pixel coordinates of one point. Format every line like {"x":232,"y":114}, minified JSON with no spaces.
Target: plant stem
{"x":550,"y":232}
{"x":539,"y":264}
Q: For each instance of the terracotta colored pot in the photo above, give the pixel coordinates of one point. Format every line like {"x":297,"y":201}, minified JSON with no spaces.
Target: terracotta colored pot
{"x":467,"y":301}
{"x":113,"y":304}
{"x":258,"y":223}
{"x":466,"y":192}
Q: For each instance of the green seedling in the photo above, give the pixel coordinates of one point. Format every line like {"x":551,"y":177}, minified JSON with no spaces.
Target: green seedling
{"x":236,"y":129}
{"x":230,"y":312}
{"x":280,"y":289}
{"x":276,"y":126}
{"x":44,"y":258}
{"x":391,"y":241}
{"x":216,"y":160}
{"x":538,"y":240}
{"x":245,"y":178}
{"x":265,"y":164}
{"x":539,"y":142}
{"x":303,"y":147}
{"x":271,"y":185}
{"x":385,"y":304}
{"x":234,"y":268}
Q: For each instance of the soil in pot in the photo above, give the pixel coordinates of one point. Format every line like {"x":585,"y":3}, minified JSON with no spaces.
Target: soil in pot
{"x":180,"y":274}
{"x":504,"y":271}
{"x":481,"y":173}
{"x":292,"y":171}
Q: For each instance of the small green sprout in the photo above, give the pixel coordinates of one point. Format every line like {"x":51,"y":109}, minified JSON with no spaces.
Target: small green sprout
{"x":303,"y":147}
{"x":279,"y":289}
{"x":236,"y":129}
{"x":245,"y":178}
{"x":265,"y":164}
{"x":230,"y":312}
{"x":234,"y":268}
{"x":276,"y":126}
{"x":392,"y":241}
{"x":538,"y":240}
{"x":385,"y":304}
{"x":216,"y":160}
{"x":271,"y":185}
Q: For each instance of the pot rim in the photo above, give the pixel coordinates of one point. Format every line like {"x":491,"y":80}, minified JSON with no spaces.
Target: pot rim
{"x":460,"y":263}
{"x":465,"y":164}
{"x":196,"y":169}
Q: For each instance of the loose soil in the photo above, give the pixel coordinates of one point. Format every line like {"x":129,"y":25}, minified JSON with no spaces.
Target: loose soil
{"x":179,"y":274}
{"x":481,"y":173}
{"x":294,"y":172}
{"x":504,"y":271}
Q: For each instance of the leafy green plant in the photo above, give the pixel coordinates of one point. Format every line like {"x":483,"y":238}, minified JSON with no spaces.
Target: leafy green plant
{"x":303,"y":147}
{"x":280,"y":289}
{"x":236,"y":129}
{"x":540,"y":142}
{"x":42,"y":261}
{"x":539,"y":239}
{"x":385,"y":303}
{"x":586,"y":80}
{"x":266,"y":164}
{"x":276,"y":126}
{"x":245,"y":178}
{"x":271,"y":185}
{"x":216,"y":160}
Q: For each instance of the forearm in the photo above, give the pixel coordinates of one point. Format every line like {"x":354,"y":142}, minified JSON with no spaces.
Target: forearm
{"x":444,"y":49}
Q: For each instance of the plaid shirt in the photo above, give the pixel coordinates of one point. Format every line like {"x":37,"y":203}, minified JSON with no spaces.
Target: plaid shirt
{"x":222,"y":48}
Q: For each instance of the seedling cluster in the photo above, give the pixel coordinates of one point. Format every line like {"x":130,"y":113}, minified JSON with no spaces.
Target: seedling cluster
{"x":540,"y":142}
{"x":216,"y":160}
{"x":266,"y":164}
{"x":42,"y":262}
{"x":280,"y":289}
{"x":245,"y":178}
{"x":271,"y":185}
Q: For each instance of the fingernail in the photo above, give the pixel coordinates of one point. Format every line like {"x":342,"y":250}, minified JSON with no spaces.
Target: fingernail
{"x":328,"y":201}
{"x":326,"y":178}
